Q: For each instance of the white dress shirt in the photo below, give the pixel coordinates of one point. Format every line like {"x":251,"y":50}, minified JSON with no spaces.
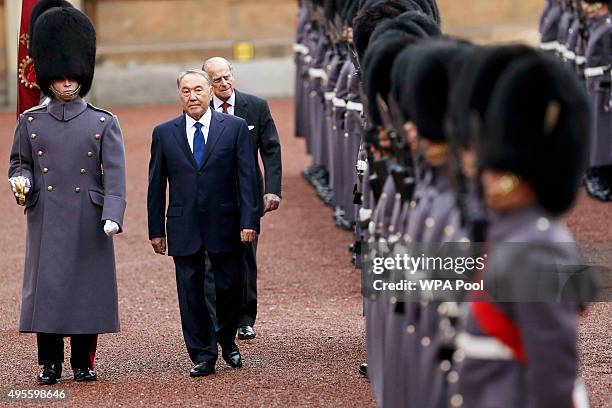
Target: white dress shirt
{"x":231,"y":102}
{"x":191,"y":129}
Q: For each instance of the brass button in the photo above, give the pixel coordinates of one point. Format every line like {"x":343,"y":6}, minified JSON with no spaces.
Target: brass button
{"x":89,"y":154}
{"x":34,"y":135}
{"x":97,"y":136}
{"x":430,"y":222}
{"x":83,"y":171}
{"x":50,"y":188}
{"x":102,"y":119}
{"x":456,"y":401}
{"x":45,"y":170}
{"x":77,"y":190}
{"x":40,"y":153}
{"x":30,"y":119}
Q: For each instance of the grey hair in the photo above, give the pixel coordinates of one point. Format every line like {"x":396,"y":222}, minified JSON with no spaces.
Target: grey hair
{"x":229,"y":65}
{"x":192,"y":71}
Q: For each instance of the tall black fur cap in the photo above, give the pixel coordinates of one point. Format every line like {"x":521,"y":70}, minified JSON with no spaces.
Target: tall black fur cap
{"x":414,"y":23}
{"x":371,"y":15}
{"x":377,"y":65}
{"x":426,"y":22}
{"x":64,"y":46}
{"x":474,"y":85}
{"x":436,"y":62}
{"x":535,"y":127}
{"x":41,"y":7}
{"x":401,"y":80}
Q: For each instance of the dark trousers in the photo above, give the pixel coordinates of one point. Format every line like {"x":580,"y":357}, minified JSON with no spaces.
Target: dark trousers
{"x":248,"y":313}
{"x":51,"y":349}
{"x":199,"y":330}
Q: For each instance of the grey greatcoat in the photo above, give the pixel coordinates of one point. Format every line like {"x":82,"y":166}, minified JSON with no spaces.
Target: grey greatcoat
{"x":73,"y":155}
{"x":597,"y":72}
{"x":538,"y":368}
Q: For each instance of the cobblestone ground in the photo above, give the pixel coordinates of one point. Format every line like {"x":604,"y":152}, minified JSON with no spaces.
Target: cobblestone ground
{"x":310,"y":329}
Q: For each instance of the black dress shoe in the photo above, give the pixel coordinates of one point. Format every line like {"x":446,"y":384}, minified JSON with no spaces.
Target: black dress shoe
{"x":246,"y":333}
{"x":84,"y":374}
{"x":363,"y":369}
{"x":231,"y":355}
{"x":597,"y":183}
{"x":202,"y":369}
{"x":49,"y":374}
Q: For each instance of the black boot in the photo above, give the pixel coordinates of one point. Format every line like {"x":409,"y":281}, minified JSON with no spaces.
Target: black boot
{"x":84,"y":374}
{"x":49,"y":374}
{"x":363,"y":369}
{"x":598,"y":184}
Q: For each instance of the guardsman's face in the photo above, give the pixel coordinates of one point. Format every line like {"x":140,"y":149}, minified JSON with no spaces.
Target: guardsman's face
{"x":468,"y":163}
{"x":195,"y":94}
{"x":66,"y":85}
{"x":222,"y":80}
{"x":411,"y":134}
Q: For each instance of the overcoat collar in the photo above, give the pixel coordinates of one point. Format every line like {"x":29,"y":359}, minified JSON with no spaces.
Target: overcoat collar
{"x":66,"y":111}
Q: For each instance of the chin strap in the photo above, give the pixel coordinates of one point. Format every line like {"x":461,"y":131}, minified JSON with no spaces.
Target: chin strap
{"x":66,"y":96}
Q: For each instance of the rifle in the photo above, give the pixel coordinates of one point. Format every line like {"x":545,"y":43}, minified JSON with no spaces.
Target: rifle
{"x":402,"y":170}
{"x":378,"y":168}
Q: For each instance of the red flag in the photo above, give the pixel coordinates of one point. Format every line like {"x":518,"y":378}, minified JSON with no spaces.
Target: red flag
{"x":28,"y":92}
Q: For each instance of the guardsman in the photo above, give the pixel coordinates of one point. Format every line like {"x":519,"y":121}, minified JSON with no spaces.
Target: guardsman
{"x":68,"y":163}
{"x":582,"y":39}
{"x":573,"y":35}
{"x":431,"y":221}
{"x":565,"y":22}
{"x":379,"y":56}
{"x":414,"y":26}
{"x":386,"y":42}
{"x":549,"y":26}
{"x":504,"y":355}
{"x":469,"y":101}
{"x":598,"y":74}
{"x":313,"y":74}
{"x":371,"y":164}
{"x":301,"y":51}
{"x":347,"y":156}
{"x":337,"y":56}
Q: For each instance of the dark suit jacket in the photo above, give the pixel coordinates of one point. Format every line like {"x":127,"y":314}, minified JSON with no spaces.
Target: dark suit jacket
{"x":208,"y":205}
{"x":264,"y":138}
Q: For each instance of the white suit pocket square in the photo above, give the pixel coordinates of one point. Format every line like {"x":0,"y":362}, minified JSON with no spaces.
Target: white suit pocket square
{"x":251,"y":127}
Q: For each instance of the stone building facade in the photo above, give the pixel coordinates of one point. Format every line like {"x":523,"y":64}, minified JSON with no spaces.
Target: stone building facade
{"x":141,"y":36}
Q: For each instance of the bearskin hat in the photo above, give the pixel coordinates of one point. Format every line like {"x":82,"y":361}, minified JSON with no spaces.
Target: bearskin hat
{"x":535,"y":127}
{"x":63,"y":46}
{"x":431,"y":77}
{"x":474,"y":86}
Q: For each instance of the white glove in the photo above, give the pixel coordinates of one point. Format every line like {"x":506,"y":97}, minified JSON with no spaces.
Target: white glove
{"x":111,"y":228}
{"x":20,"y":180}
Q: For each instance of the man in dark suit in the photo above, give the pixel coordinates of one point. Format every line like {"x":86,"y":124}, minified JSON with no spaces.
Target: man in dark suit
{"x":206,"y":158}
{"x":264,"y":138}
